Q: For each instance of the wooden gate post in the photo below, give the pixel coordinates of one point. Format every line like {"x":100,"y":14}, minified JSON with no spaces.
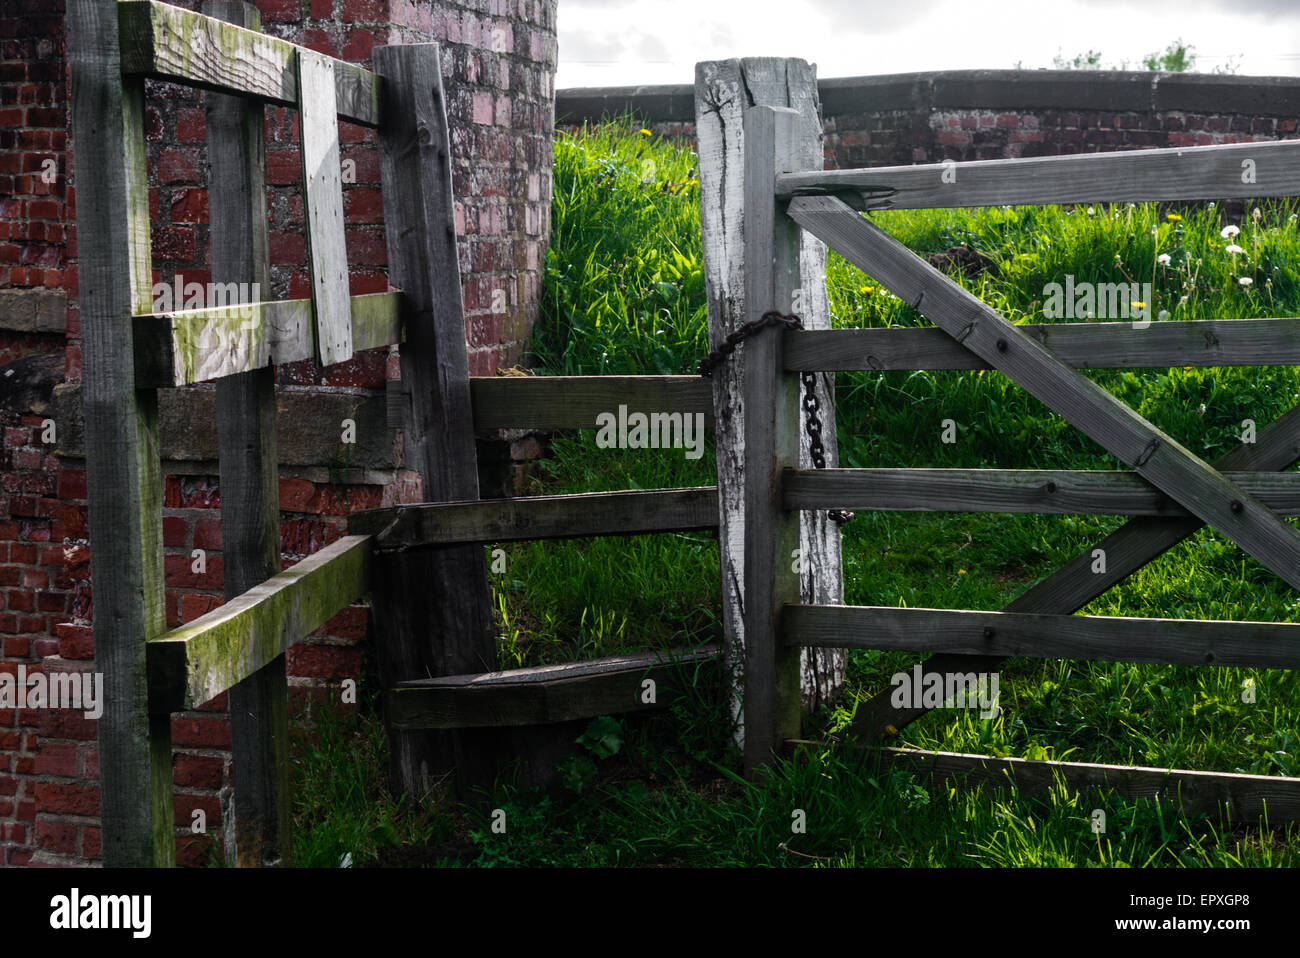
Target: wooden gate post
{"x":431,"y":606}
{"x":724,"y":90}
{"x":259,"y":825}
{"x":122,"y":456}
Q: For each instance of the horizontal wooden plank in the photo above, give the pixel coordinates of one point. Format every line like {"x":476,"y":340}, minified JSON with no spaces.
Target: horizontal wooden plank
{"x":539,"y":517}
{"x":1075,"y":492}
{"x":549,"y":693}
{"x":1266,"y":645}
{"x":170,"y":43}
{"x":189,"y":346}
{"x":1180,"y":173}
{"x":198,"y":661}
{"x":574,"y":402}
{"x":1247,"y":798}
{"x":1208,"y":342}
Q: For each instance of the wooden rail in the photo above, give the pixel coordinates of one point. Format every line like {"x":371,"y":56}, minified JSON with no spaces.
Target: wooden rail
{"x":1207,"y":342}
{"x":1265,"y":645}
{"x":548,"y":693}
{"x":1182,"y":173}
{"x":170,"y":43}
{"x":1244,"y":798}
{"x":190,"y":346}
{"x":397,"y":528}
{"x":1075,"y":492}
{"x":195,"y":663}
{"x":574,"y":402}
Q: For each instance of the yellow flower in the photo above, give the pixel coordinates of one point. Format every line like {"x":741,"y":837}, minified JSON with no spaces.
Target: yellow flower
{"x":961,"y":571}
{"x":645,"y":132}
{"x":867,"y":290}
{"x":1138,"y":305}
{"x":1173,"y":217}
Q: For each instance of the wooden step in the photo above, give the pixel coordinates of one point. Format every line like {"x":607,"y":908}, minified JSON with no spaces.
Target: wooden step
{"x":548,"y":693}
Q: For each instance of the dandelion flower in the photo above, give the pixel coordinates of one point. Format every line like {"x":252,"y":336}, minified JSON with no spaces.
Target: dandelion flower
{"x":1138,"y":305}
{"x":961,"y":571}
{"x":1173,"y":217}
{"x":1228,"y":232}
{"x":1234,"y":249}
{"x":1164,"y":259}
{"x":1245,"y":281}
{"x":644,"y":132}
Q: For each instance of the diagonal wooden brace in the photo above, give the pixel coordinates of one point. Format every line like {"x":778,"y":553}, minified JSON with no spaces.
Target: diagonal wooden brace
{"x":1074,"y":585}
{"x":1157,"y":457}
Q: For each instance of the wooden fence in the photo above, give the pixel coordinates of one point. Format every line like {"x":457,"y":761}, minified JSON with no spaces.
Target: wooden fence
{"x":1170,"y":492}
{"x":766,"y":202}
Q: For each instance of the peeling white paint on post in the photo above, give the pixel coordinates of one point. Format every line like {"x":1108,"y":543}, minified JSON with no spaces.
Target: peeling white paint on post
{"x":723,"y":91}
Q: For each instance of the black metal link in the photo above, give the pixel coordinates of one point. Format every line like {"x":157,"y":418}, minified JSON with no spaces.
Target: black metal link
{"x":811,"y":404}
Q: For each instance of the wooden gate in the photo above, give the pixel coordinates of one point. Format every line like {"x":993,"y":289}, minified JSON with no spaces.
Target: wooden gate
{"x":1170,"y":492}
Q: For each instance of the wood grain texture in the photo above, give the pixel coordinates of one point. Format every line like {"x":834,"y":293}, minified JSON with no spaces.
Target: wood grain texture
{"x":772,"y":424}
{"x":1245,"y":798}
{"x":432,"y":607}
{"x":549,"y":693}
{"x":322,"y":176}
{"x":574,"y":402}
{"x":260,"y":822}
{"x":122,"y":463}
{"x":1074,"y":585}
{"x":198,"y":661}
{"x":1207,"y":342}
{"x":1047,"y":491}
{"x":540,"y":517}
{"x":1264,"y":645}
{"x":1183,"y":173}
{"x":723,"y":90}
{"x":169,"y":43}
{"x":1158,"y":457}
{"x":194,"y":345}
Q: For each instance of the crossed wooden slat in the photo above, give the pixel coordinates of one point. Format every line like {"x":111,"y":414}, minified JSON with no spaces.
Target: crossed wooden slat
{"x":1198,"y":486}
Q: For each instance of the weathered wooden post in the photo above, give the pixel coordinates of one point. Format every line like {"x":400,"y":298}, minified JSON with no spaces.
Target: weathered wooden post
{"x":724,"y":92}
{"x":259,"y":823}
{"x":432,"y":614}
{"x":122,"y":458}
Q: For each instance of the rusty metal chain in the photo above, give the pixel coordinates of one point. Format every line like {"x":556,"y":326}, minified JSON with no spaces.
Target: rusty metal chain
{"x":811,"y":404}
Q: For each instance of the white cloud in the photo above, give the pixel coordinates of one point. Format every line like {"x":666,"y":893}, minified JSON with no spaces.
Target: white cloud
{"x":633,"y":42}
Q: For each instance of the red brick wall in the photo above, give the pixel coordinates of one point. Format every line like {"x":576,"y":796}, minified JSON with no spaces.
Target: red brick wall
{"x":498,"y":62}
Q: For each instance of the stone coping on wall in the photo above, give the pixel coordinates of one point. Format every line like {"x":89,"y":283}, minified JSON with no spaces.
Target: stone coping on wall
{"x":1105,"y":90}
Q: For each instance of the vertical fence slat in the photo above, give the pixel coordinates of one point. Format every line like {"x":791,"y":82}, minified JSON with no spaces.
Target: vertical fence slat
{"x":246,"y":434}
{"x":322,"y":182}
{"x":121,"y":428}
{"x":772,"y":705}
{"x":431,"y":608}
{"x":723,"y":90}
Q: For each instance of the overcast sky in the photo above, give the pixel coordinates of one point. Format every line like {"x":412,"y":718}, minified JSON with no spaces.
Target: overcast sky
{"x":632,"y":42}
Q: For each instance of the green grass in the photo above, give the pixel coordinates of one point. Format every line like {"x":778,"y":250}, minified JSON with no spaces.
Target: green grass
{"x":624,"y":294}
